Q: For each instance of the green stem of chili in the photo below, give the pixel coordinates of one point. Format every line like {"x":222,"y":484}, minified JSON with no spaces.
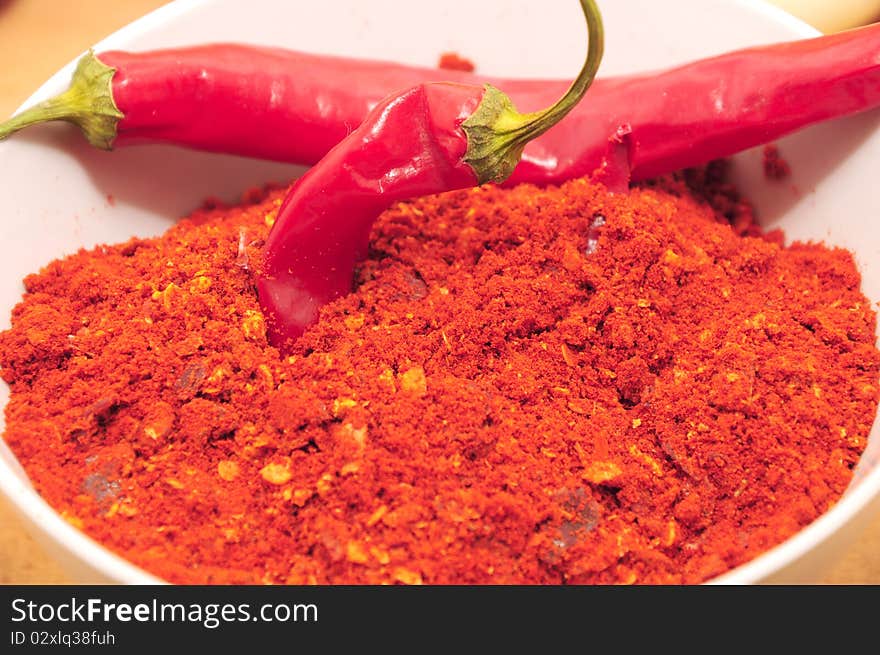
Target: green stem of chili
{"x":88,"y":103}
{"x":497,"y":132}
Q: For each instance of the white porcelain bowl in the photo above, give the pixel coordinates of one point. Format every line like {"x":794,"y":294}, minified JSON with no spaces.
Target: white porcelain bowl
{"x":55,"y":188}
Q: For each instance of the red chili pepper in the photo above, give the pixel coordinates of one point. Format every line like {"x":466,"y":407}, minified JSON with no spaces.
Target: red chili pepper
{"x":288,"y":106}
{"x":263,"y":102}
{"x":647,"y":125}
{"x":431,"y":138}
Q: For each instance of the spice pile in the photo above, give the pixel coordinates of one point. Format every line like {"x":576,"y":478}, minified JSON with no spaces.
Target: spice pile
{"x":528,"y":385}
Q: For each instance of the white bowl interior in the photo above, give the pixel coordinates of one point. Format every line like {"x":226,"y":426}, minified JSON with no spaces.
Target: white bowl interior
{"x":60,"y":195}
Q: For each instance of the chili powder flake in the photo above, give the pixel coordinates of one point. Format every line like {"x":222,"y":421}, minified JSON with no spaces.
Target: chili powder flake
{"x":526,"y":386}
{"x":454,"y":61}
{"x":775,"y":166}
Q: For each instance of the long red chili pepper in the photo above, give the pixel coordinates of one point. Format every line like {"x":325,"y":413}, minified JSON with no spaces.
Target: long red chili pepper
{"x":431,"y":138}
{"x":288,"y":106}
{"x":263,"y":102}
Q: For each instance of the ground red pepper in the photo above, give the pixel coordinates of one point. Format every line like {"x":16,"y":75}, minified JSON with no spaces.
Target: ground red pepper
{"x":453,"y":61}
{"x":527,"y":385}
{"x":775,"y":166}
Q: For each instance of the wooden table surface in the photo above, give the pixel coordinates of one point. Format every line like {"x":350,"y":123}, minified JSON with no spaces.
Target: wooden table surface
{"x":36,"y":38}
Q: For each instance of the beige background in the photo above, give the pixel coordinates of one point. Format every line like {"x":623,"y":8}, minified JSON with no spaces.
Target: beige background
{"x":36,"y":38}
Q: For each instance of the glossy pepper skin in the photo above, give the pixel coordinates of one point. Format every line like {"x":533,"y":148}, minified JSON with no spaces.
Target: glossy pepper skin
{"x":288,"y":106}
{"x":638,"y":127}
{"x":410,"y":145}
{"x":630,"y":128}
{"x":267,"y":103}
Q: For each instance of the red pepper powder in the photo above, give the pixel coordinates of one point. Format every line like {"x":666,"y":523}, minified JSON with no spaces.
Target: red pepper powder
{"x":455,"y":62}
{"x":775,"y":166}
{"x":527,"y":386}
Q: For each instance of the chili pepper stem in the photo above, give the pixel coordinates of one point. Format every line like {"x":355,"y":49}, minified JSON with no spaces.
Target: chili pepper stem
{"x":88,"y":104}
{"x":497,"y":132}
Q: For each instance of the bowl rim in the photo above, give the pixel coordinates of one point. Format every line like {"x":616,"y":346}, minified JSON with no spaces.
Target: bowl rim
{"x":40,"y":516}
